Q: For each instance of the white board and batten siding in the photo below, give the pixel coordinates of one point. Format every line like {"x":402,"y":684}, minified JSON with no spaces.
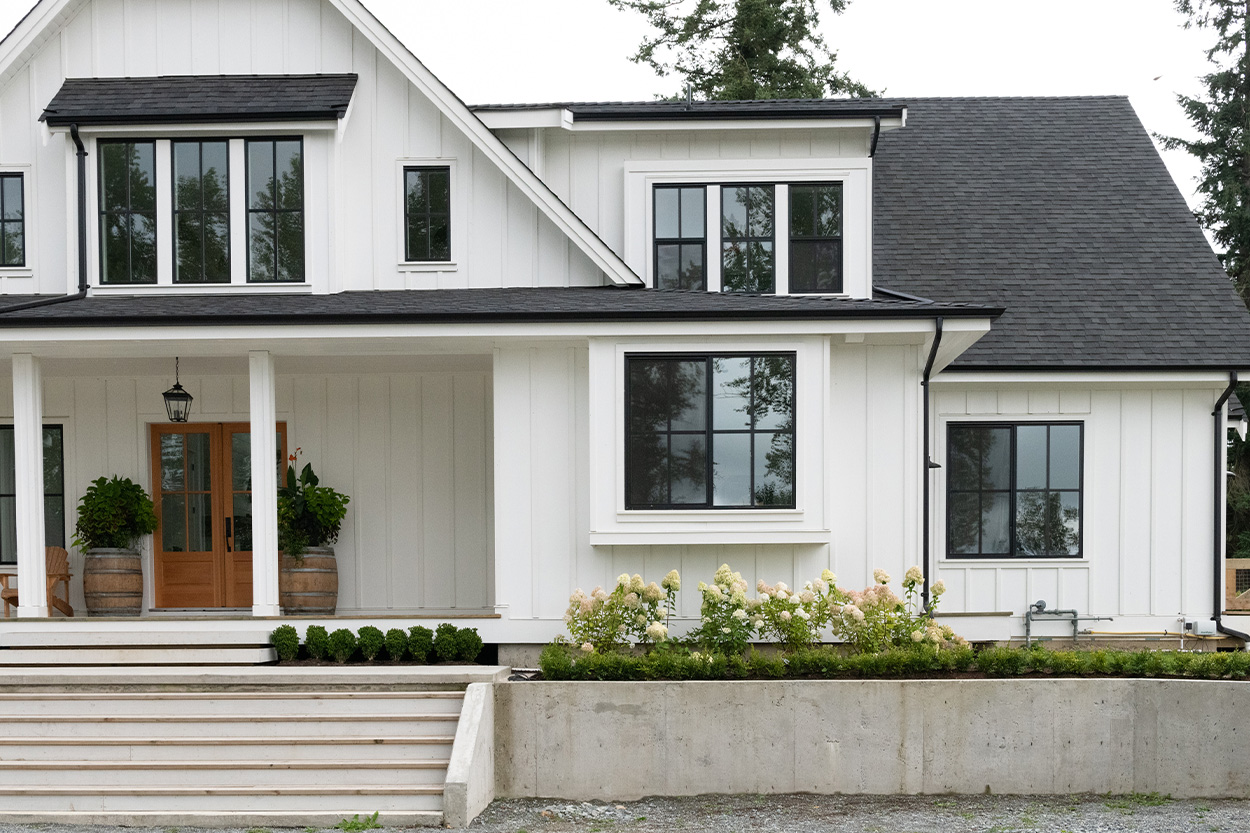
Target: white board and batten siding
{"x":411,"y":449}
{"x":1147,"y":506}
{"x":353,"y":177}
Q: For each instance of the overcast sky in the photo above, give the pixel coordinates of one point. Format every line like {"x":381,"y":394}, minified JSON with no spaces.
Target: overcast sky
{"x":562,"y":50}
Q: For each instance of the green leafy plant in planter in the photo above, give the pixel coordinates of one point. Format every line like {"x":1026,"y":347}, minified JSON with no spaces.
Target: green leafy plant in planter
{"x":309,"y":519}
{"x":112,"y":516}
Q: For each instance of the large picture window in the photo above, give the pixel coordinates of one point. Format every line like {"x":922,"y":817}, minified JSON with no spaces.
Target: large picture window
{"x":275,"y":211}
{"x":712,"y":432}
{"x":53,"y":491}
{"x":1014,"y":490}
{"x":127,"y":212}
{"x":201,"y":212}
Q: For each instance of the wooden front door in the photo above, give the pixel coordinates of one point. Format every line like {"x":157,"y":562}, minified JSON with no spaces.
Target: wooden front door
{"x":203,"y":480}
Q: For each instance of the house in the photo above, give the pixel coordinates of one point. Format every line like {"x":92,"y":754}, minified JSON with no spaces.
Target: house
{"x":541,"y":345}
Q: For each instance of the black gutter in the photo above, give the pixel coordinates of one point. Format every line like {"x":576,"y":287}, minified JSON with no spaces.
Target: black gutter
{"x":1221,"y":464}
{"x":698,"y":114}
{"x":929,"y":465}
{"x":82,"y":235}
{"x":115,"y":119}
{"x":876,"y":134}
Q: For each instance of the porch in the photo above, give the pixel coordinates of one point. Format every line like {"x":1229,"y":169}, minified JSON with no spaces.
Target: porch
{"x":407,"y":437}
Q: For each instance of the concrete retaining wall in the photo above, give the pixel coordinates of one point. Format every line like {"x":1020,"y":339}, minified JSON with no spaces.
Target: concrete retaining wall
{"x":627,"y":740}
{"x":470,"y":784}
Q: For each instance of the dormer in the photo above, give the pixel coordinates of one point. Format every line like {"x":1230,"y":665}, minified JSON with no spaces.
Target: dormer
{"x":764,"y":197}
{"x":205,"y":183}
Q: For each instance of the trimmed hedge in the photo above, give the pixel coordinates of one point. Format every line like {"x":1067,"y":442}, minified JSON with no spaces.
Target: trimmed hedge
{"x":371,"y":645}
{"x":563,"y":662}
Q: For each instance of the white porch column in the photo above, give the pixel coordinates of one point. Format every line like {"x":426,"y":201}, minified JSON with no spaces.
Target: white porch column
{"x":264,"y":410}
{"x":32,"y":568}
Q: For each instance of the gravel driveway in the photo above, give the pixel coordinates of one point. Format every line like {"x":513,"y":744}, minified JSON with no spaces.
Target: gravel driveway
{"x":837,"y":814}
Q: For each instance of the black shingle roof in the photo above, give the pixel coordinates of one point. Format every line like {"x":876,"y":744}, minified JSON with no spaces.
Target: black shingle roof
{"x":781,"y":108}
{"x":200,"y":98}
{"x":467,"y":305}
{"x":1060,"y":210}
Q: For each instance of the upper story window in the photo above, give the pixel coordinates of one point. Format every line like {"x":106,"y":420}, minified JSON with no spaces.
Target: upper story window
{"x":816,"y":237}
{"x":747,"y":234}
{"x":275,"y":210}
{"x":1014,"y":490}
{"x":12,"y":220}
{"x":710,"y":432}
{"x":427,"y":213}
{"x":680,"y":237}
{"x":127,"y":212}
{"x":201,"y":212}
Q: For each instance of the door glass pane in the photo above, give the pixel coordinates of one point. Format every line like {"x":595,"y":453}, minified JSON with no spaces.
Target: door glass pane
{"x":199,"y":474}
{"x":731,"y":465}
{"x":174,"y":523}
{"x":200,"y":522}
{"x":241,"y":462}
{"x":173,"y":463}
{"x":242,"y":522}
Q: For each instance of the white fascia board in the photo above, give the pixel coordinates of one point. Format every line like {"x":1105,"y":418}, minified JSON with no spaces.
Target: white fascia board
{"x":207,"y":129}
{"x":653,"y":125}
{"x":1096,"y":378}
{"x":554,"y":117}
{"x":490,"y":145}
{"x":32,"y":31}
{"x":957,"y":336}
{"x":301,"y":339}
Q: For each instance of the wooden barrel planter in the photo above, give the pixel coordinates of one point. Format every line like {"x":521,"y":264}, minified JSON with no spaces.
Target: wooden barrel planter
{"x":112,"y":582}
{"x":310,"y":588}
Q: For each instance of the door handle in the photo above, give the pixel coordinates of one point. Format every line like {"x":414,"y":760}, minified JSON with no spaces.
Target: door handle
{"x":229,"y":534}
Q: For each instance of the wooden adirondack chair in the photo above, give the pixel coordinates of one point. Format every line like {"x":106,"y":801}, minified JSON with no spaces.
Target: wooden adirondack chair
{"x":58,"y":573}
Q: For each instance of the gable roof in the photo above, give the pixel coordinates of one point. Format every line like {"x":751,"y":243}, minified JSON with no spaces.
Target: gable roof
{"x":187,"y":99}
{"x":37,"y":25}
{"x":1061,"y":211}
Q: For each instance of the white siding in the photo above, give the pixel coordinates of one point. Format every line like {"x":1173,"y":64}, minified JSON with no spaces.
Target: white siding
{"x":411,"y":449}
{"x":353,"y":205}
{"x":1147,"y":506}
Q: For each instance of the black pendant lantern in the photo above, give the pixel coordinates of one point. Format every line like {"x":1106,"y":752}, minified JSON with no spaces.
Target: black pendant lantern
{"x":177,"y":400}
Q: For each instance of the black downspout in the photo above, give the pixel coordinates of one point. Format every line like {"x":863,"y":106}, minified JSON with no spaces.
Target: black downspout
{"x":928,"y":460}
{"x":876,"y":134}
{"x":1221,"y":464}
{"x":82,"y":235}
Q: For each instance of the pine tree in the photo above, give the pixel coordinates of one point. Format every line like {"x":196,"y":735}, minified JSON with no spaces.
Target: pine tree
{"x":1222,"y":117}
{"x":743,"y":49}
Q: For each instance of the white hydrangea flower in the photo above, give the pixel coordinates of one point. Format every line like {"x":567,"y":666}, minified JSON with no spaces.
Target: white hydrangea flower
{"x":672,"y":581}
{"x":827,"y":576}
{"x":914,"y":575}
{"x":802,"y":614}
{"x":881,"y":576}
{"x":587,"y":647}
{"x":939,"y":587}
{"x":740,"y":614}
{"x":622,"y":580}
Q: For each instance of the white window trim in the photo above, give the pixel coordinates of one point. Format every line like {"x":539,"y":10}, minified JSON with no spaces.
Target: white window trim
{"x":458,"y":222}
{"x":939,"y":493}
{"x":19,"y":274}
{"x":855,"y":174}
{"x":613,"y":524}
{"x":165,"y":285}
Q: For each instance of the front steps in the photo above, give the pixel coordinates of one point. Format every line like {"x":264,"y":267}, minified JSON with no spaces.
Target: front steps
{"x":172,"y":746}
{"x":135,"y":647}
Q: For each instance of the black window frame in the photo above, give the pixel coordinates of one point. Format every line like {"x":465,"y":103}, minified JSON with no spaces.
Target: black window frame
{"x":301,"y":211}
{"x":430,"y":214}
{"x":791,"y":238}
{"x":175,"y":211}
{"x":748,"y":239}
{"x":54,"y":537}
{"x":710,"y":431}
{"x":1014,"y":490}
{"x":5,"y":223}
{"x":129,"y":213}
{"x":681,"y":240}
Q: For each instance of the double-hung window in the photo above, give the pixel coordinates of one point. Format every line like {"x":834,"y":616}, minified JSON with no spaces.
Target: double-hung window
{"x":53,"y":491}
{"x":710,"y":431}
{"x":127,"y":212}
{"x":680,"y":237}
{"x":816,"y":237}
{"x":748,"y":263}
{"x":427,"y":214}
{"x":12,"y":220}
{"x":1014,"y":490}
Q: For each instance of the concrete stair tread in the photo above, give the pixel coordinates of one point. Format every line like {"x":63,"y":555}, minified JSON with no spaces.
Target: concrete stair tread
{"x":231,"y":718}
{"x":113,"y":638}
{"x":217,"y":818}
{"x":321,"y":740}
{"x":310,"y":764}
{"x":407,"y":789}
{"x":99,"y":696}
{"x":198,"y":655}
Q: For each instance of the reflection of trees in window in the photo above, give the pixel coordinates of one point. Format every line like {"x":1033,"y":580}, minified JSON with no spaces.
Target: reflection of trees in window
{"x":427,"y":213}
{"x":680,"y":236}
{"x":12,"y":221}
{"x":747,"y":238}
{"x":201,"y":212}
{"x":1014,"y":490}
{"x":710,"y":431}
{"x":275,"y":210}
{"x":816,"y":238}
{"x":53,"y":491}
{"x":127,"y":212}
